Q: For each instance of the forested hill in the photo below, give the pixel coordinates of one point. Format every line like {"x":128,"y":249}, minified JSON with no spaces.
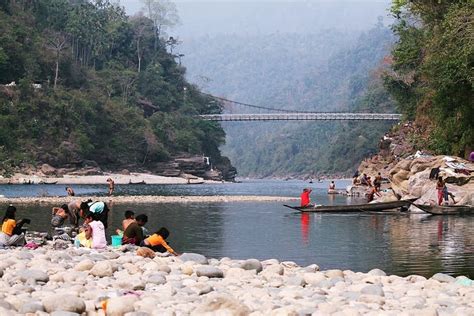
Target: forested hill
{"x":431,"y":76}
{"x":327,"y":70}
{"x":92,"y":85}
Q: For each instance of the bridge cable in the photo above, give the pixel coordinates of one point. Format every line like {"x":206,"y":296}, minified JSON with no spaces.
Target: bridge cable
{"x":255,"y":106}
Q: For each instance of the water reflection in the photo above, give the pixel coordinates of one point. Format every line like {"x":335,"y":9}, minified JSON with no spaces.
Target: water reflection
{"x":305,"y":227}
{"x":401,"y":244}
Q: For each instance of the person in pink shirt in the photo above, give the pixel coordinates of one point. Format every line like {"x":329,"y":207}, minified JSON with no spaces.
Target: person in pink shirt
{"x":95,"y":230}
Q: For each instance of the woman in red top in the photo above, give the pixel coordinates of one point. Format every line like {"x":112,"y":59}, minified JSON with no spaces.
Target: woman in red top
{"x":305,"y":200}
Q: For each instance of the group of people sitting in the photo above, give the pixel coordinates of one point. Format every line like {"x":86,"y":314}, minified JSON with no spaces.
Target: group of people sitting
{"x":373,"y":186}
{"x":92,"y":232}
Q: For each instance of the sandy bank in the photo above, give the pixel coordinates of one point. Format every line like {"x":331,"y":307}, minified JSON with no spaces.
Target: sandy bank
{"x":77,"y":280}
{"x":101,"y":179}
{"x":148,"y":199}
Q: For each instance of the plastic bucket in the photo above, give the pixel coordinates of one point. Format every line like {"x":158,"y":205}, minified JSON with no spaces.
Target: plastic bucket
{"x":116,"y":240}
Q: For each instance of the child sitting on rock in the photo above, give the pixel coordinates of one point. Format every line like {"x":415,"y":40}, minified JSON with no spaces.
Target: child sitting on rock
{"x":157,"y":241}
{"x":93,"y":235}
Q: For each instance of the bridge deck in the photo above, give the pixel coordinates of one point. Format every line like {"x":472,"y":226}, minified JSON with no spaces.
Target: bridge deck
{"x":321,"y":116}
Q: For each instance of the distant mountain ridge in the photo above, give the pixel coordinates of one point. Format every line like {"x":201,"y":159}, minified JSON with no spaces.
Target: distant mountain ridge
{"x":324,"y":71}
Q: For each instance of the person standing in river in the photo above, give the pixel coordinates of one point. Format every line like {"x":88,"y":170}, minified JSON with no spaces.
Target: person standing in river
{"x":111,"y":186}
{"x":70,"y":191}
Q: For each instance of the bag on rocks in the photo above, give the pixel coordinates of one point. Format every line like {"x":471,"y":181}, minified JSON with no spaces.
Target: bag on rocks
{"x":145,"y":252}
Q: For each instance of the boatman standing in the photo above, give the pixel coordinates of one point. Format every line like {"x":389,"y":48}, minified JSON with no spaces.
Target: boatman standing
{"x":305,"y":200}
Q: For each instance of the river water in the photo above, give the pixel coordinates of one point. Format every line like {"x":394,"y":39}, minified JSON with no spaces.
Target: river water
{"x":401,"y":244}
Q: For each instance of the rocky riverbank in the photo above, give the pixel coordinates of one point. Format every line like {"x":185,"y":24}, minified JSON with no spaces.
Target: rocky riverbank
{"x":137,"y":199}
{"x":410,"y":178}
{"x":184,"y":169}
{"x":82,"y":281}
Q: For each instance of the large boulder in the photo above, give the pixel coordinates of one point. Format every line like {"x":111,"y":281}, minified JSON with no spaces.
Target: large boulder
{"x":48,"y":170}
{"x":411,"y":178}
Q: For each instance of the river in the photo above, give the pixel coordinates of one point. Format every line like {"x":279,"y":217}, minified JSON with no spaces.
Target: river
{"x":401,"y":244}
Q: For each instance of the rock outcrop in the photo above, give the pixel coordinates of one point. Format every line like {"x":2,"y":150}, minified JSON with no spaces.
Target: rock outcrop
{"x":411,"y":178}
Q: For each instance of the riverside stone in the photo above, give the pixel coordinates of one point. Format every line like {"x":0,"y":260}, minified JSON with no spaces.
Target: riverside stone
{"x":221,"y":305}
{"x":33,"y":275}
{"x":441,"y":277}
{"x":156,"y":279}
{"x":252,"y":264}
{"x":66,"y":303}
{"x":314,"y":278}
{"x":84,"y":265}
{"x":209,"y":271}
{"x":102,"y":269}
{"x":31,"y":307}
{"x":193,"y":257}
{"x":373,"y":290}
{"x":118,"y":306}
{"x":376,"y":272}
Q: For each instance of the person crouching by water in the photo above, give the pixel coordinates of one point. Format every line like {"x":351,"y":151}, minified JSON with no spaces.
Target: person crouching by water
{"x":372,"y":193}
{"x":157,"y":242}
{"x":134,"y":233}
{"x":93,"y":235}
{"x":60,"y":214}
{"x":12,"y":234}
{"x":305,"y":199}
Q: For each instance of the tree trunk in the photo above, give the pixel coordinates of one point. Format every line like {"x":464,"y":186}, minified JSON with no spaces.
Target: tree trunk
{"x":56,"y":73}
{"x":139,"y":55}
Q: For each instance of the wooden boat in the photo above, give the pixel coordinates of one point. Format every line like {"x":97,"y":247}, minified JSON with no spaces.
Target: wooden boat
{"x":334,"y":191}
{"x":446,"y":209}
{"x":46,"y":182}
{"x":368,"y":207}
{"x":141,"y":182}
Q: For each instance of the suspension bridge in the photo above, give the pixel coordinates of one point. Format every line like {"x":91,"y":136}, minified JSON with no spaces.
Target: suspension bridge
{"x":316,"y":116}
{"x":294,"y":115}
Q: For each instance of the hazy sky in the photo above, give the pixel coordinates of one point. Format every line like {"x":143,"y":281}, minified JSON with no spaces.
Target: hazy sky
{"x":269,"y":16}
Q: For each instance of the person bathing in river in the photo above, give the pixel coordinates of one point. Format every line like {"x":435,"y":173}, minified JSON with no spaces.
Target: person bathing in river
{"x":157,"y":242}
{"x":305,"y":199}
{"x":70,"y":191}
{"x":111,"y":186}
{"x":332,"y":186}
{"x":12,"y":234}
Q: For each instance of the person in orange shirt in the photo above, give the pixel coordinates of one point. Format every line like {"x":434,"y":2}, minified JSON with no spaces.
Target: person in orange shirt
{"x":157,"y":241}
{"x":11,"y":234}
{"x":305,"y":200}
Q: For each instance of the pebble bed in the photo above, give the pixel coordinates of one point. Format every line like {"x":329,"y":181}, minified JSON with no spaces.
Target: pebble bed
{"x":79,"y":281}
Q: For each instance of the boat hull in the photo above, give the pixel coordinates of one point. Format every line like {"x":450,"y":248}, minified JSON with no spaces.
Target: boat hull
{"x":369,"y":207}
{"x":446,"y":210}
